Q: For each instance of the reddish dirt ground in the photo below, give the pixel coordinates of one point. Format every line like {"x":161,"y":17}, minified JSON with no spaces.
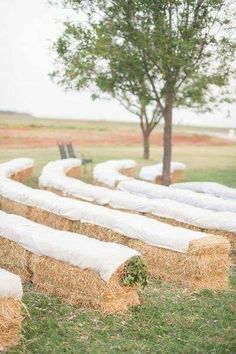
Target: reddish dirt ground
{"x":41,"y":137}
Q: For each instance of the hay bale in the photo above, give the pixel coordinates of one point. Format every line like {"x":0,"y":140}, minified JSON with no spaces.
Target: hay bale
{"x":154,"y":173}
{"x":17,"y":169}
{"x":129,"y":172}
{"x":230,"y":236}
{"x":15,"y":259}
{"x":22,"y":175}
{"x":79,"y":269}
{"x":112,"y":172}
{"x":83,"y":287}
{"x":205,"y":265}
{"x":38,"y":215}
{"x":74,"y":172}
{"x":10,"y":309}
{"x":177,"y":175}
{"x":10,"y":322}
{"x":161,"y":262}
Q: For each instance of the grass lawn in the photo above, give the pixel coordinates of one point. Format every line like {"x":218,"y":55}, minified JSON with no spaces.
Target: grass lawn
{"x":169,"y":320}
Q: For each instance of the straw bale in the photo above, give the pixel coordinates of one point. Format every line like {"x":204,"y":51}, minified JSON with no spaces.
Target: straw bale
{"x":10,"y":322}
{"x":40,"y":216}
{"x":74,"y":172}
{"x":230,"y":236}
{"x":169,"y":265}
{"x":102,"y":233}
{"x":177,"y":175}
{"x":22,"y":175}
{"x":83,"y":287}
{"x":15,"y":258}
{"x":205,"y":265}
{"x":130,"y":172}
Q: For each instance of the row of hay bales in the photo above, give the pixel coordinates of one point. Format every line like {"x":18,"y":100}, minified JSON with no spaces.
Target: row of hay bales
{"x":84,"y":270}
{"x":192,"y":259}
{"x":109,"y":173}
{"x":78,"y":269}
{"x":55,"y":177}
{"x":10,"y":309}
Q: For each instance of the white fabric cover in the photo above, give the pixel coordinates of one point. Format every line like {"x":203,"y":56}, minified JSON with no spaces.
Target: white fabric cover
{"x":78,"y":250}
{"x":213,"y":188}
{"x":10,"y":285}
{"x":155,"y":191}
{"x":60,"y":167}
{"x":108,"y":172}
{"x":123,"y":200}
{"x":150,"y":173}
{"x":7,"y":169}
{"x":134,"y":226}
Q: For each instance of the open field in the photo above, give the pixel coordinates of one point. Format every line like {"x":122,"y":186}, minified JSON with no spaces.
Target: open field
{"x":169,"y":320}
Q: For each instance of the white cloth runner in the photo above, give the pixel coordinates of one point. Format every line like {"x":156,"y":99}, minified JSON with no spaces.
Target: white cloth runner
{"x":123,"y":200}
{"x":150,"y":173}
{"x":108,"y":172}
{"x":60,"y":167}
{"x":155,"y":191}
{"x":213,"y":188}
{"x":78,"y":250}
{"x":7,"y":169}
{"x":10,"y":285}
{"x":134,"y":226}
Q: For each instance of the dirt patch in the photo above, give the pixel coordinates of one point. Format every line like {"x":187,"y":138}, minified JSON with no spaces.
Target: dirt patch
{"x":43,"y":137}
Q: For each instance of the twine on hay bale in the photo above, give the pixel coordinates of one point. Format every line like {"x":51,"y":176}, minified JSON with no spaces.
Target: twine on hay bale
{"x":15,"y":259}
{"x":83,"y":287}
{"x":10,"y":322}
{"x":191,"y":269}
{"x":230,"y":236}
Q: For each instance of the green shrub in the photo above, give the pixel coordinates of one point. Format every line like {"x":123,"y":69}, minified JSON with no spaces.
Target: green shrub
{"x":135,"y":272}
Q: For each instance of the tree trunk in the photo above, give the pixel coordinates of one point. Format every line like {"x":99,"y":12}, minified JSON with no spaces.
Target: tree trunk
{"x":146,"y":145}
{"x":167,"y":144}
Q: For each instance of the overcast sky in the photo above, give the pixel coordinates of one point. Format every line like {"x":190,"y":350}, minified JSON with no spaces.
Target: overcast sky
{"x":28,"y":28}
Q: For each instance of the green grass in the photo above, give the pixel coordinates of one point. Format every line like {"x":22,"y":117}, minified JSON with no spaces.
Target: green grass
{"x":168,"y":320}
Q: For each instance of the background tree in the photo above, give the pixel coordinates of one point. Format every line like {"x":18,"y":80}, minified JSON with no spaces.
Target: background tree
{"x":154,"y":55}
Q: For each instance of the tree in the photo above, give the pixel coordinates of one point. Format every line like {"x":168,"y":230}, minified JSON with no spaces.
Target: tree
{"x":154,"y":55}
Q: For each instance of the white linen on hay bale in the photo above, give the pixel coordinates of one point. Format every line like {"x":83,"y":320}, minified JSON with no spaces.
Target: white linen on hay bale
{"x":217,"y":189}
{"x":54,"y":177}
{"x":154,"y":173}
{"x":18,"y":169}
{"x":107,"y":224}
{"x":77,"y":268}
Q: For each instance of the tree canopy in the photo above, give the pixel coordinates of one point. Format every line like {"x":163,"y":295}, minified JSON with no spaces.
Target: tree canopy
{"x":152,"y":55}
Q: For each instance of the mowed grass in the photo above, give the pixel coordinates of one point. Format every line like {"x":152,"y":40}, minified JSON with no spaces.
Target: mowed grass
{"x":169,"y":320}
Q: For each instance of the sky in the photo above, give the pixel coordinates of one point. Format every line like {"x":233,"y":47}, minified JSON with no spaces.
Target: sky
{"x":28,"y":29}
